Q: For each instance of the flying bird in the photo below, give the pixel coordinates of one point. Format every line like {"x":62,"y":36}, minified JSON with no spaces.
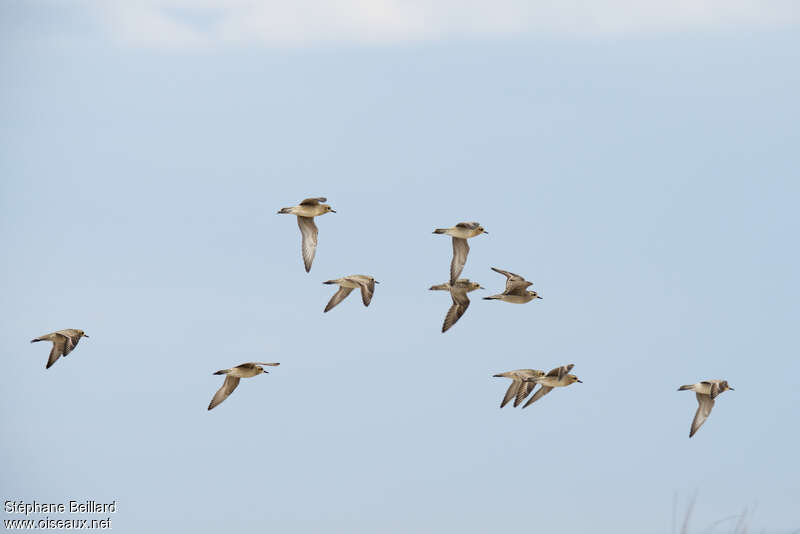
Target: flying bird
{"x":519,"y":387}
{"x":348,"y":284}
{"x":705,"y":391}
{"x":516,"y":289}
{"x":306,"y":211}
{"x":458,"y":292}
{"x":556,"y":378}
{"x":460,"y":233}
{"x":64,"y":341}
{"x":245,"y":370}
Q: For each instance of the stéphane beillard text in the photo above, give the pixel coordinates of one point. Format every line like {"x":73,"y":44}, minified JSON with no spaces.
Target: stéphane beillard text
{"x":72,"y":507}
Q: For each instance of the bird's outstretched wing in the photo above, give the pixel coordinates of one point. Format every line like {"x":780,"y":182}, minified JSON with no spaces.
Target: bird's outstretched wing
{"x":312,"y":201}
{"x":367,"y":289}
{"x":524,"y":390}
{"x":509,"y":275}
{"x":544,"y":390}
{"x":460,"y":305}
{"x":511,"y":392}
{"x":453,"y":315}
{"x":72,"y":342}
{"x":515,"y":284}
{"x":59,"y":345}
{"x":338,"y":297}
{"x":559,"y":372}
{"x":460,"y":251}
{"x":310,"y":232}
{"x":222,"y":393}
{"x":705,"y":403}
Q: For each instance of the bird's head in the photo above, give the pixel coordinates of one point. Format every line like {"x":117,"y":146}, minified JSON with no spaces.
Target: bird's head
{"x":328,"y":208}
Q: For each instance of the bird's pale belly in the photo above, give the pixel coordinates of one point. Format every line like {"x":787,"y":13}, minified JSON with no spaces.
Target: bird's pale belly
{"x":551,"y":382}
{"x":703,"y":388}
{"x":243,"y":373}
{"x":308,"y":211}
{"x":517,"y":299}
{"x":463,"y":233}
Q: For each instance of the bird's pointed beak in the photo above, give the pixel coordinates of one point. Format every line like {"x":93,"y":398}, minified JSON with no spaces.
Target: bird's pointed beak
{"x":485,"y":232}
{"x":333,"y":211}
{"x":538,"y":297}
{"x":84,"y":335}
{"x":377,"y":282}
{"x":581,"y":381}
{"x":730,"y":388}
{"x":481,"y":287}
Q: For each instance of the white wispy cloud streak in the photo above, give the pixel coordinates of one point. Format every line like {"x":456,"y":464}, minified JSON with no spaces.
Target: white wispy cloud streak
{"x":201,"y":23}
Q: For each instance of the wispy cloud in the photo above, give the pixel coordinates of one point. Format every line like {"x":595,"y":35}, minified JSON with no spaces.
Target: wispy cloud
{"x":193,"y":23}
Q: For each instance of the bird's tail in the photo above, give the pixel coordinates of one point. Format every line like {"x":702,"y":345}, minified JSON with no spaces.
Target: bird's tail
{"x":440,"y":231}
{"x":684,"y":388}
{"x":329,"y":282}
{"x":493,"y":297}
{"x":444,"y":287}
{"x":221,"y":372}
{"x":285,"y":210}
{"x":36,"y":339}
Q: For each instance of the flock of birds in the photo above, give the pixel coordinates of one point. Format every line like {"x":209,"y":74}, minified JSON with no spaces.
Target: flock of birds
{"x":523,"y":381}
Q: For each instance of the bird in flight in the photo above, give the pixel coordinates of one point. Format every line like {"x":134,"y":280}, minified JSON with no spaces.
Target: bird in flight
{"x":556,"y":378}
{"x":519,"y":387}
{"x":705,"y":391}
{"x":458,"y":292}
{"x":516,"y":289}
{"x":64,"y":341}
{"x":245,"y":370}
{"x":460,"y":233}
{"x":348,"y":284}
{"x":306,"y":211}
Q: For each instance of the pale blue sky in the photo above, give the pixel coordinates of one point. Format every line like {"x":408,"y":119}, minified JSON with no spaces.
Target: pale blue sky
{"x":646,"y":181}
